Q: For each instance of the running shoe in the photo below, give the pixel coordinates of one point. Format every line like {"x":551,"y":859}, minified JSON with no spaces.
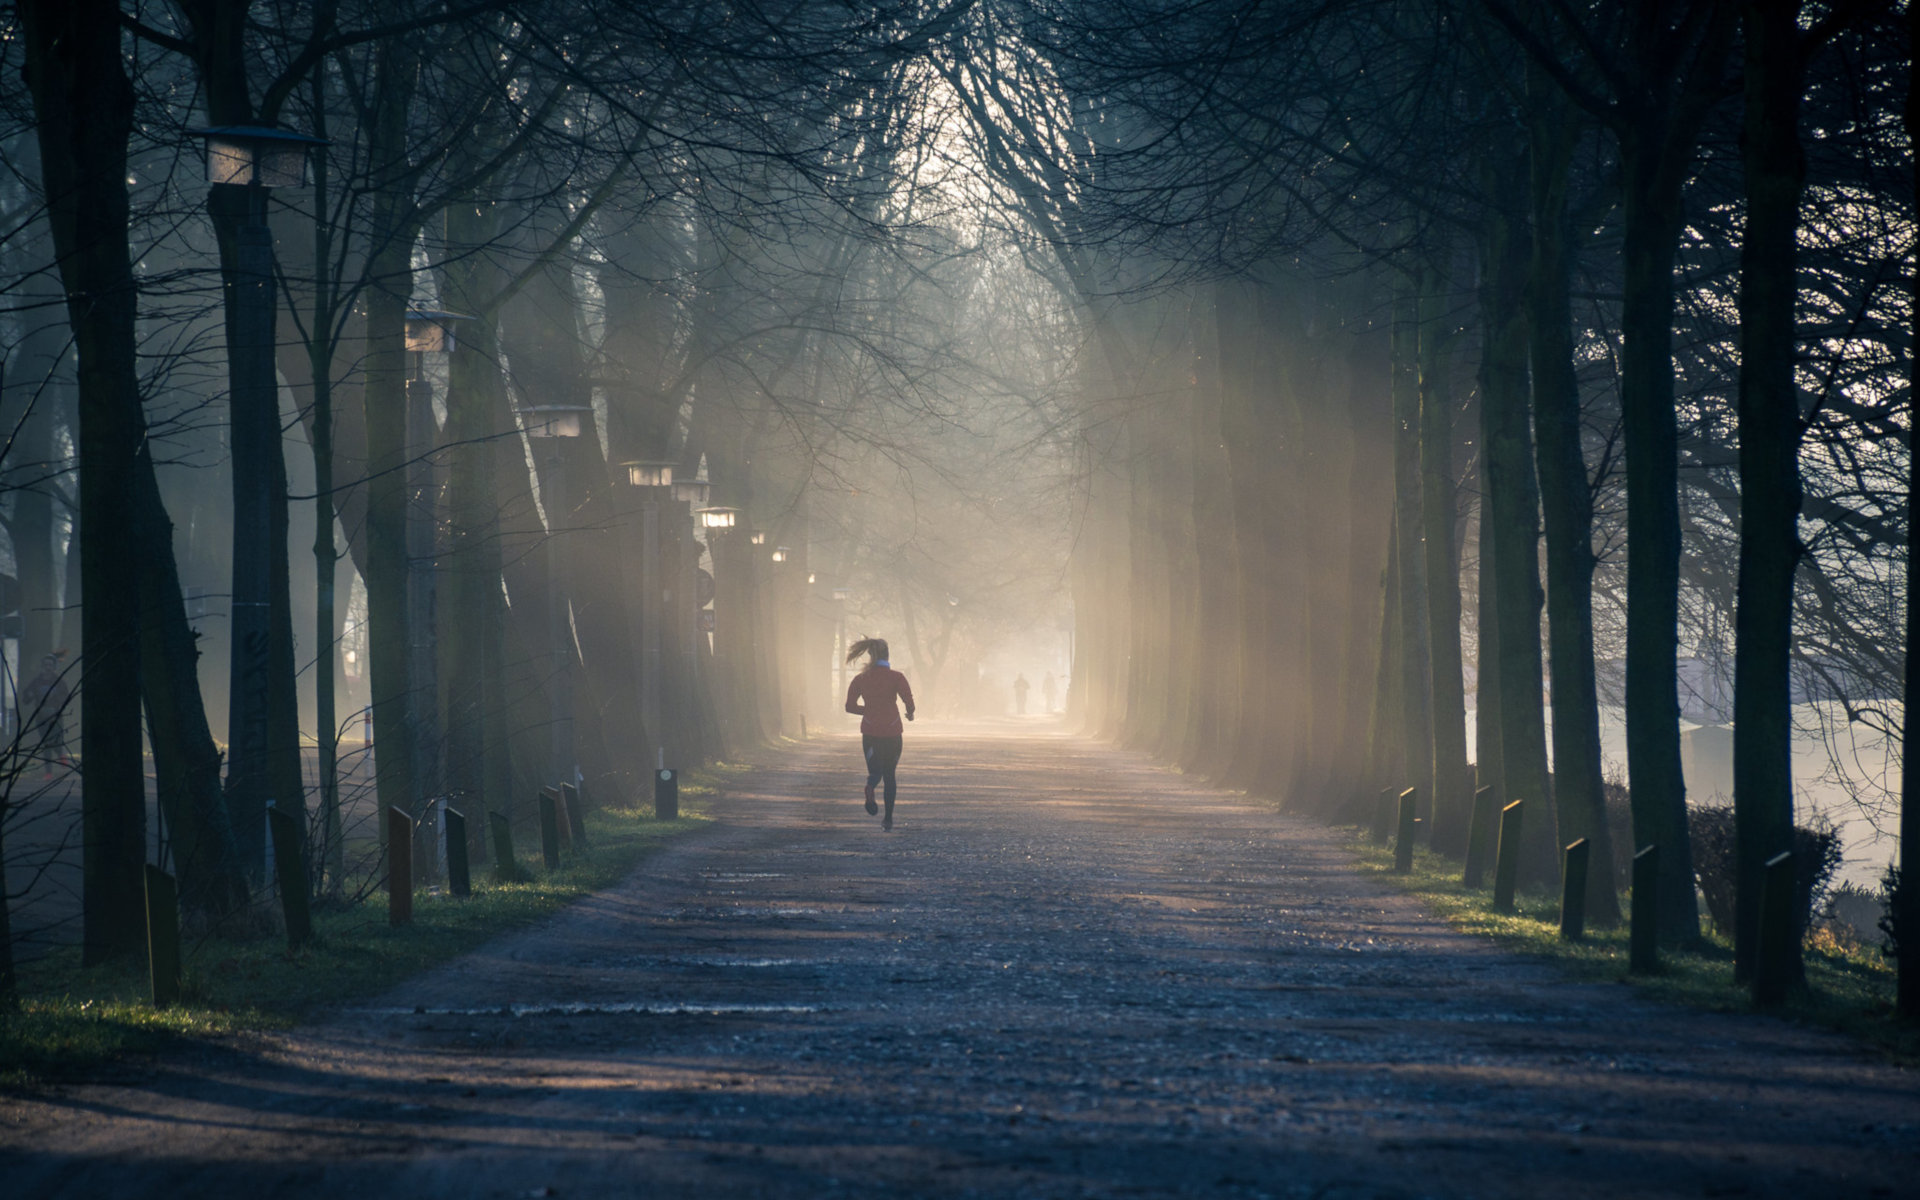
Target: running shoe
{"x":886,"y":822}
{"x":872,"y":808}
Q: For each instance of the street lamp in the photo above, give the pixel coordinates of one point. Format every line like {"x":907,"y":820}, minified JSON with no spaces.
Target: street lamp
{"x":555,"y":420}
{"x":652,"y":478}
{"x":551,"y":427}
{"x":758,"y":537}
{"x":243,"y":162}
{"x":429,"y":331}
{"x":779,"y":554}
{"x":717,"y":518}
{"x":649,"y":474}
{"x":691,"y":492}
{"x":256,"y":155}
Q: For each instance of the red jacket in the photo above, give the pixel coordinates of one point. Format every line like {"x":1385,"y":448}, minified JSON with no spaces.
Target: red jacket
{"x":879,"y":687}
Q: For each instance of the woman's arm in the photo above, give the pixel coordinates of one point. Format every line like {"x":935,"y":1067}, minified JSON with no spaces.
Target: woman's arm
{"x":906,"y":696}
{"x":853,"y":697}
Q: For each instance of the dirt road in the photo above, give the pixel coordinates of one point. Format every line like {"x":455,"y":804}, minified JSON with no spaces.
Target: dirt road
{"x":1063,"y":973}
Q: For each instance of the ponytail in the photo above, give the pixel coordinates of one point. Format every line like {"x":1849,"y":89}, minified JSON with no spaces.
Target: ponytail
{"x":877,"y":647}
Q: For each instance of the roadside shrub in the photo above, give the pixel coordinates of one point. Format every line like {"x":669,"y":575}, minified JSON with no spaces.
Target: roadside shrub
{"x":1851,"y":918}
{"x":1816,"y":856}
{"x":1891,"y":927}
{"x":1620,"y":828}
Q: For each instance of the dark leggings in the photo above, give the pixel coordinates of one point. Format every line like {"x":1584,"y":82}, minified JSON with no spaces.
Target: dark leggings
{"x":883,"y":757}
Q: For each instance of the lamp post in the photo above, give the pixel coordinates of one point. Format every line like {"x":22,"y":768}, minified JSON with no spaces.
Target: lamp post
{"x":244,"y":162}
{"x":752,"y":676}
{"x":788,"y":626}
{"x":652,"y":479}
{"x":553,"y":427}
{"x":688,"y":496}
{"x":719,"y":522}
{"x":428,"y":332}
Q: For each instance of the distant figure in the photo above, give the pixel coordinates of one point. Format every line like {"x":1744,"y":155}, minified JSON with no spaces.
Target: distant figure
{"x":43,"y":709}
{"x":871,"y":696}
{"x":1020,"y":688}
{"x":1048,"y":688}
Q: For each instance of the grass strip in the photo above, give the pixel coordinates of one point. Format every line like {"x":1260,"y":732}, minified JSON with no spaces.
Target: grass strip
{"x":1850,"y":986}
{"x":73,"y":1021}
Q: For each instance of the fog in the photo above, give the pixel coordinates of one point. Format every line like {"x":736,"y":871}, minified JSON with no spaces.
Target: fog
{"x":1237,"y":371}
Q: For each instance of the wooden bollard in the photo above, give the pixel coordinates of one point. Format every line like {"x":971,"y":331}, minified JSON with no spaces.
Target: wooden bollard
{"x":1403,"y":840}
{"x":1773,"y":969}
{"x":290,"y":865}
{"x":1480,"y":826}
{"x":562,"y":821}
{"x":550,"y":828}
{"x":399,"y":866}
{"x":1643,"y":937}
{"x":666,"y":794}
{"x":1382,"y":817}
{"x":576,"y":815}
{"x":163,"y":937}
{"x":1573,"y":891}
{"x":459,"y":873}
{"x":1506,"y":855}
{"x":506,"y":868}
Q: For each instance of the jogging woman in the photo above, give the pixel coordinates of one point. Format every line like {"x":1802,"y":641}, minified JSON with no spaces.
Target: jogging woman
{"x":871,"y":697}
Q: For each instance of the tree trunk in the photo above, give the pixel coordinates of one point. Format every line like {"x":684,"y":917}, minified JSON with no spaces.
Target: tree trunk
{"x":1567,"y":503}
{"x":1410,"y":526}
{"x":84,"y":104}
{"x":1239,"y":339}
{"x":1651,"y":442}
{"x":1328,"y":542}
{"x":1511,"y":518}
{"x":1452,"y":796}
{"x":31,"y":465}
{"x":1386,"y":742}
{"x":1906,"y":897}
{"x":1370,"y":504}
{"x":1215,"y":712}
{"x":326,"y":558}
{"x":384,"y":402}
{"x":186,"y":761}
{"x":1489,"y":762}
{"x":1770,"y":491}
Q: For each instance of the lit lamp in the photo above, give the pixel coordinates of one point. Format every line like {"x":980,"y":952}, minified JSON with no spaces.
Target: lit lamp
{"x":651,"y":478}
{"x":547,"y":424}
{"x":779,"y":554}
{"x":692,"y":491}
{"x":256,"y":155}
{"x":842,"y":594}
{"x":649,"y":474}
{"x":555,"y":420}
{"x":243,"y":162}
{"x":717,"y":518}
{"x":429,"y":331}
{"x":758,"y":537}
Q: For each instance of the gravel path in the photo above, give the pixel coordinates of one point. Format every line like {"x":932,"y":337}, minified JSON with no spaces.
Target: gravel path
{"x":1064,"y":973}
